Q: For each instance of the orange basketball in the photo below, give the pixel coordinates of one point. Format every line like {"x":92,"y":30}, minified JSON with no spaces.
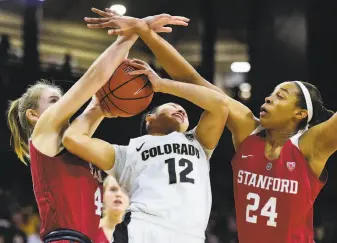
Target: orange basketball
{"x":125,"y":95}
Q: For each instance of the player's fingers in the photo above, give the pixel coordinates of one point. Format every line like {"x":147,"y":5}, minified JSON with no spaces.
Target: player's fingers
{"x":98,"y":26}
{"x":100,"y":12}
{"x":164,"y":30}
{"x":178,"y":22}
{"x":138,"y":72}
{"x":136,"y":65}
{"x":139,"y":61}
{"x":115,"y":32}
{"x":96,"y":20}
{"x":182,"y":18}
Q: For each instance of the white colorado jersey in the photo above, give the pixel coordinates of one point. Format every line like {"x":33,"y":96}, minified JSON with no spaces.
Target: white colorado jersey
{"x":167,"y":180}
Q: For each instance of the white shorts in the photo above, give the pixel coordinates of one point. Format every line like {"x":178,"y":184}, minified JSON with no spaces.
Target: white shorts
{"x":140,"y":231}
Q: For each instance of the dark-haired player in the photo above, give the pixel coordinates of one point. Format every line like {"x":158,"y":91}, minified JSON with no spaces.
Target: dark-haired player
{"x":280,"y":160}
{"x":165,"y":171}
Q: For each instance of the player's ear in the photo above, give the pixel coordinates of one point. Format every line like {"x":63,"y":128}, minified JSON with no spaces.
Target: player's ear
{"x":32,"y":116}
{"x":149,"y":118}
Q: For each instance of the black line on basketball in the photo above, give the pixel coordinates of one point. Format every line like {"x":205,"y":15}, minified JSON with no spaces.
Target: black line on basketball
{"x":138,"y":98}
{"x":110,"y":79}
{"x":119,"y":108}
{"x":147,"y":83}
{"x":99,"y":91}
{"x":103,"y":98}
{"x":125,"y":83}
{"x":119,"y":86}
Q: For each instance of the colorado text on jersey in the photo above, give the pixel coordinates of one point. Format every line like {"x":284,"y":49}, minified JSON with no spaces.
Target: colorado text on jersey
{"x":267,"y":182}
{"x":182,"y":149}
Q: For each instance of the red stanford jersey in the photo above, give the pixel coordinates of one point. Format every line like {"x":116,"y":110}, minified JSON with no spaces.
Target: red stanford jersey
{"x":273,"y":199}
{"x":68,"y":192}
{"x":100,"y":237}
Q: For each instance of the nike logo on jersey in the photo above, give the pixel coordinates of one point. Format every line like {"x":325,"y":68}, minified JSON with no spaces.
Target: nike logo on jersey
{"x":138,"y":149}
{"x":246,"y":156}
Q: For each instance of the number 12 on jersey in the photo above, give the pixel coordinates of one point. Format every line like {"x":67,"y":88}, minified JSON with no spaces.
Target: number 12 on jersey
{"x":171,"y":166}
{"x":268,"y":210}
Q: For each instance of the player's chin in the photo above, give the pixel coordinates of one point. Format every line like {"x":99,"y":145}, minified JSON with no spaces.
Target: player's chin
{"x":267,"y":123}
{"x":183,"y":127}
{"x":119,"y":208}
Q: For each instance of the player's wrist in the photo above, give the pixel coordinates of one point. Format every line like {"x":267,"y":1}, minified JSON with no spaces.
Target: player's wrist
{"x":143,"y":27}
{"x":164,"y":86}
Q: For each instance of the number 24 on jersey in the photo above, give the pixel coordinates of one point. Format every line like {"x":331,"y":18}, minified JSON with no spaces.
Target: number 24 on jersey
{"x":268,"y":210}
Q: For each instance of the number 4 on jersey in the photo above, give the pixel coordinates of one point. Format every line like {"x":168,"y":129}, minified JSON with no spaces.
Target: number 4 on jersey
{"x":268,"y":210}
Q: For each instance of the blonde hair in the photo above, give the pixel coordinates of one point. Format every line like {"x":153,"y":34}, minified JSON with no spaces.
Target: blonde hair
{"x":20,"y":127}
{"x":106,"y":182}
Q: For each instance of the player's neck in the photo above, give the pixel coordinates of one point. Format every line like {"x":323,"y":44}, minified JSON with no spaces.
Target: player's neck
{"x":110,"y":221}
{"x":157,"y":134}
{"x":278,"y":138}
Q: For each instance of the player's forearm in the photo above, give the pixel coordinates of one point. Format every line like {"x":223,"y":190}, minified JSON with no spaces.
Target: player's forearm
{"x":86,"y":123}
{"x":205,"y":98}
{"x":171,"y":60}
{"x":102,"y":68}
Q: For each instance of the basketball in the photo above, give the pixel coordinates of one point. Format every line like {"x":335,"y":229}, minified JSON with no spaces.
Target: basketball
{"x":125,"y":95}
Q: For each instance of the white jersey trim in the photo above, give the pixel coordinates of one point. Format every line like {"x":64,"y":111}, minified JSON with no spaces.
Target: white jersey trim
{"x":294,"y":139}
{"x":257,"y":130}
{"x":208,"y":152}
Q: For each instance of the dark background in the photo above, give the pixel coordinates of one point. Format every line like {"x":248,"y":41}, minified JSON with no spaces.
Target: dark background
{"x":282,"y":40}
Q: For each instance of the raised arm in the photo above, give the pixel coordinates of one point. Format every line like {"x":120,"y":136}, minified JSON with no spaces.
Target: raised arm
{"x":319,"y":143}
{"x":77,"y":139}
{"x":213,"y":119}
{"x":241,"y":120}
{"x":57,"y":115}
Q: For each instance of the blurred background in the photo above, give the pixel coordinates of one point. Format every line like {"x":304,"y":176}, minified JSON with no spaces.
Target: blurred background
{"x":246,"y":47}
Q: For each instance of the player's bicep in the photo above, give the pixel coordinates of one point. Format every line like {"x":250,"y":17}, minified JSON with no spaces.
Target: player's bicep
{"x":320,"y":141}
{"x":241,"y":122}
{"x":92,"y":150}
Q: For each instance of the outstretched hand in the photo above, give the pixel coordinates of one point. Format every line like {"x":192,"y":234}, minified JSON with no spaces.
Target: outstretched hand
{"x":124,"y":25}
{"x":95,"y":104}
{"x":144,"y":69}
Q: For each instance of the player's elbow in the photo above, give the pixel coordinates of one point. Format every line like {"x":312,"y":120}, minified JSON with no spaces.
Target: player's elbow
{"x":70,"y":140}
{"x":222,"y":106}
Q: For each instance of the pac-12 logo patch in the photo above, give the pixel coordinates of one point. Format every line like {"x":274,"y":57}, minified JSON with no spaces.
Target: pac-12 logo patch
{"x":291,"y":165}
{"x":269,"y":166}
{"x":189,"y":136}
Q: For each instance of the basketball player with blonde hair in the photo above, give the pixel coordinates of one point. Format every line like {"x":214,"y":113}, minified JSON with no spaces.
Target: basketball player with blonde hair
{"x":115,"y":202}
{"x":67,"y":189}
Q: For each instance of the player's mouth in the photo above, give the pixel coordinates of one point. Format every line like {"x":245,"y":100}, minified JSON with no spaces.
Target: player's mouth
{"x":118,"y":202}
{"x":263,"y":111}
{"x":180,"y":116}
